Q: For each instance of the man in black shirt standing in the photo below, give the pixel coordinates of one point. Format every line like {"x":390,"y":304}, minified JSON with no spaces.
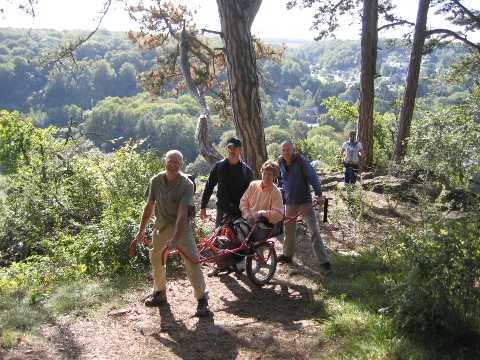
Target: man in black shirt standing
{"x":233,"y":177}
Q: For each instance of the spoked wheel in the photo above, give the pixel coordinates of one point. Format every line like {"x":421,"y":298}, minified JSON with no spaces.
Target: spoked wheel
{"x":262,"y":264}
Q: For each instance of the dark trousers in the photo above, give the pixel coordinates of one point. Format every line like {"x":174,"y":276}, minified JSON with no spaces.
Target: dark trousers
{"x":218,"y":222}
{"x":219,"y":217}
{"x":350,"y":173}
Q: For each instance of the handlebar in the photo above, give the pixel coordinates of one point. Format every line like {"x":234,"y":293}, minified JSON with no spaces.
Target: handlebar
{"x":287,"y":219}
{"x":133,"y":245}
{"x":315,"y":203}
{"x":168,"y":251}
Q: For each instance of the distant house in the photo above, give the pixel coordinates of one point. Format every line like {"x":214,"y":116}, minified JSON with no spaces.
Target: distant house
{"x":309,"y":115}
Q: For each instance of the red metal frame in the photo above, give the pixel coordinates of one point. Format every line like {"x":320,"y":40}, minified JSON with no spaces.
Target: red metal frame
{"x":208,"y":244}
{"x":205,"y":244}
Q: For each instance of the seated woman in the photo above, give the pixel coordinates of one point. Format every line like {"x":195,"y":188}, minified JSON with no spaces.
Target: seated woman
{"x":262,"y":201}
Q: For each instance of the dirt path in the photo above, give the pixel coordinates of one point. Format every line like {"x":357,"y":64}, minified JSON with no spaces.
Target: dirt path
{"x":273,"y":322}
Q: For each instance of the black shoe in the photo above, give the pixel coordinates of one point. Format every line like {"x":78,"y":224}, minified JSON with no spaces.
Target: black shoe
{"x":284,"y":259}
{"x":158,"y":298}
{"x":202,"y":307}
{"x":214,"y":272}
{"x":240,"y":266}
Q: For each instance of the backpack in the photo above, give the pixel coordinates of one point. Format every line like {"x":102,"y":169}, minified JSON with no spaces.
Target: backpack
{"x":241,"y":228}
{"x":191,"y":208}
{"x":230,"y":237}
{"x":351,"y":152}
{"x":192,"y":178}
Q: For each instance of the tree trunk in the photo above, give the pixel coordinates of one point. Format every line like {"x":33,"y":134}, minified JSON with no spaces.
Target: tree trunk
{"x":367,"y":77}
{"x":236,"y":19}
{"x":205,"y":147}
{"x":408,"y":104}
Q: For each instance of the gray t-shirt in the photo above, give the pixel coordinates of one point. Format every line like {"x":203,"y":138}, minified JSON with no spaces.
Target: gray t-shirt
{"x":168,"y":195}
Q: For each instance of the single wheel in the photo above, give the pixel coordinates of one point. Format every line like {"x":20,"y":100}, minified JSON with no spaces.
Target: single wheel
{"x":262,"y":264}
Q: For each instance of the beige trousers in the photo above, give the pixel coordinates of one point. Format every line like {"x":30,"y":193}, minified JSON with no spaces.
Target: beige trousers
{"x":186,"y":244}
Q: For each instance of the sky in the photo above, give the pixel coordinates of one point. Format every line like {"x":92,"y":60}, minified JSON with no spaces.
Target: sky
{"x":272,"y":21}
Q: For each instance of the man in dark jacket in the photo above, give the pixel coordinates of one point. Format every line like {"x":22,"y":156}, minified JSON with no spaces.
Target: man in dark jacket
{"x":297,"y":174}
{"x":233,"y":177}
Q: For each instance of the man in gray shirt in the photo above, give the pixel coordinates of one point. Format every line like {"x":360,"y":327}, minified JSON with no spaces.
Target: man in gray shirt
{"x":170,"y":195}
{"x":352,"y":153}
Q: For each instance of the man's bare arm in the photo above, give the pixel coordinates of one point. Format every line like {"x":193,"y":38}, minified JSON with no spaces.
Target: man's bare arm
{"x":147,"y":214}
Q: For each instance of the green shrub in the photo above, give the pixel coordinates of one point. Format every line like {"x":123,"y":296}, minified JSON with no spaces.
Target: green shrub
{"x":274,"y":150}
{"x":383,"y":137}
{"x":199,"y":167}
{"x":6,"y":339}
{"x":69,"y":211}
{"x":437,"y":295}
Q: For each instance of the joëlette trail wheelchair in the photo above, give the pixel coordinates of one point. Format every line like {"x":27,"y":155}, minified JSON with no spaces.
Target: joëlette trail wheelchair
{"x":235,"y":239}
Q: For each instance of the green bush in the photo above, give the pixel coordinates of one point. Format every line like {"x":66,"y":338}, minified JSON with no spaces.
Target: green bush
{"x":345,"y":114}
{"x":323,"y":148}
{"x":383,"y":137}
{"x":437,"y":295}
{"x":69,"y":211}
{"x":274,"y":150}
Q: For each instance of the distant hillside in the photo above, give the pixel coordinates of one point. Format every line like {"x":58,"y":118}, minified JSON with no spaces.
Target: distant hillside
{"x":109,"y":63}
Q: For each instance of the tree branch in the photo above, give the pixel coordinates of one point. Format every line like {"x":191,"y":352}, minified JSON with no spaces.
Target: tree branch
{"x":68,"y":51}
{"x":205,"y":147}
{"x":401,"y":22}
{"x":467,"y":11}
{"x":212,"y":31}
{"x":447,"y":32}
{"x":30,"y":8}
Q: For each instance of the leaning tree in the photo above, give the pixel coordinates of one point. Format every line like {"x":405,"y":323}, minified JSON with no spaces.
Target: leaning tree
{"x":190,"y":61}
{"x":466,"y":19}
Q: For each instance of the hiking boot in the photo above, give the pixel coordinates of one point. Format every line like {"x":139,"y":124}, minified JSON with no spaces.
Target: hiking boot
{"x":282,"y":259}
{"x":214,"y":272}
{"x":158,"y":298}
{"x":202,"y":307}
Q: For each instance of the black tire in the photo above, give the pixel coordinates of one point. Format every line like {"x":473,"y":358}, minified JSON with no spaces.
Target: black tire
{"x":262,"y":264}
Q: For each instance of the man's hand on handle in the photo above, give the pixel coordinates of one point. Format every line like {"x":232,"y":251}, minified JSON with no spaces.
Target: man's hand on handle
{"x":319,"y":199}
{"x":139,"y":239}
{"x":203,"y":214}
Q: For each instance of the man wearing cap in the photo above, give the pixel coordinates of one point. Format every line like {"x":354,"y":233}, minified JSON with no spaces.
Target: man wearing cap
{"x":233,"y":177}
